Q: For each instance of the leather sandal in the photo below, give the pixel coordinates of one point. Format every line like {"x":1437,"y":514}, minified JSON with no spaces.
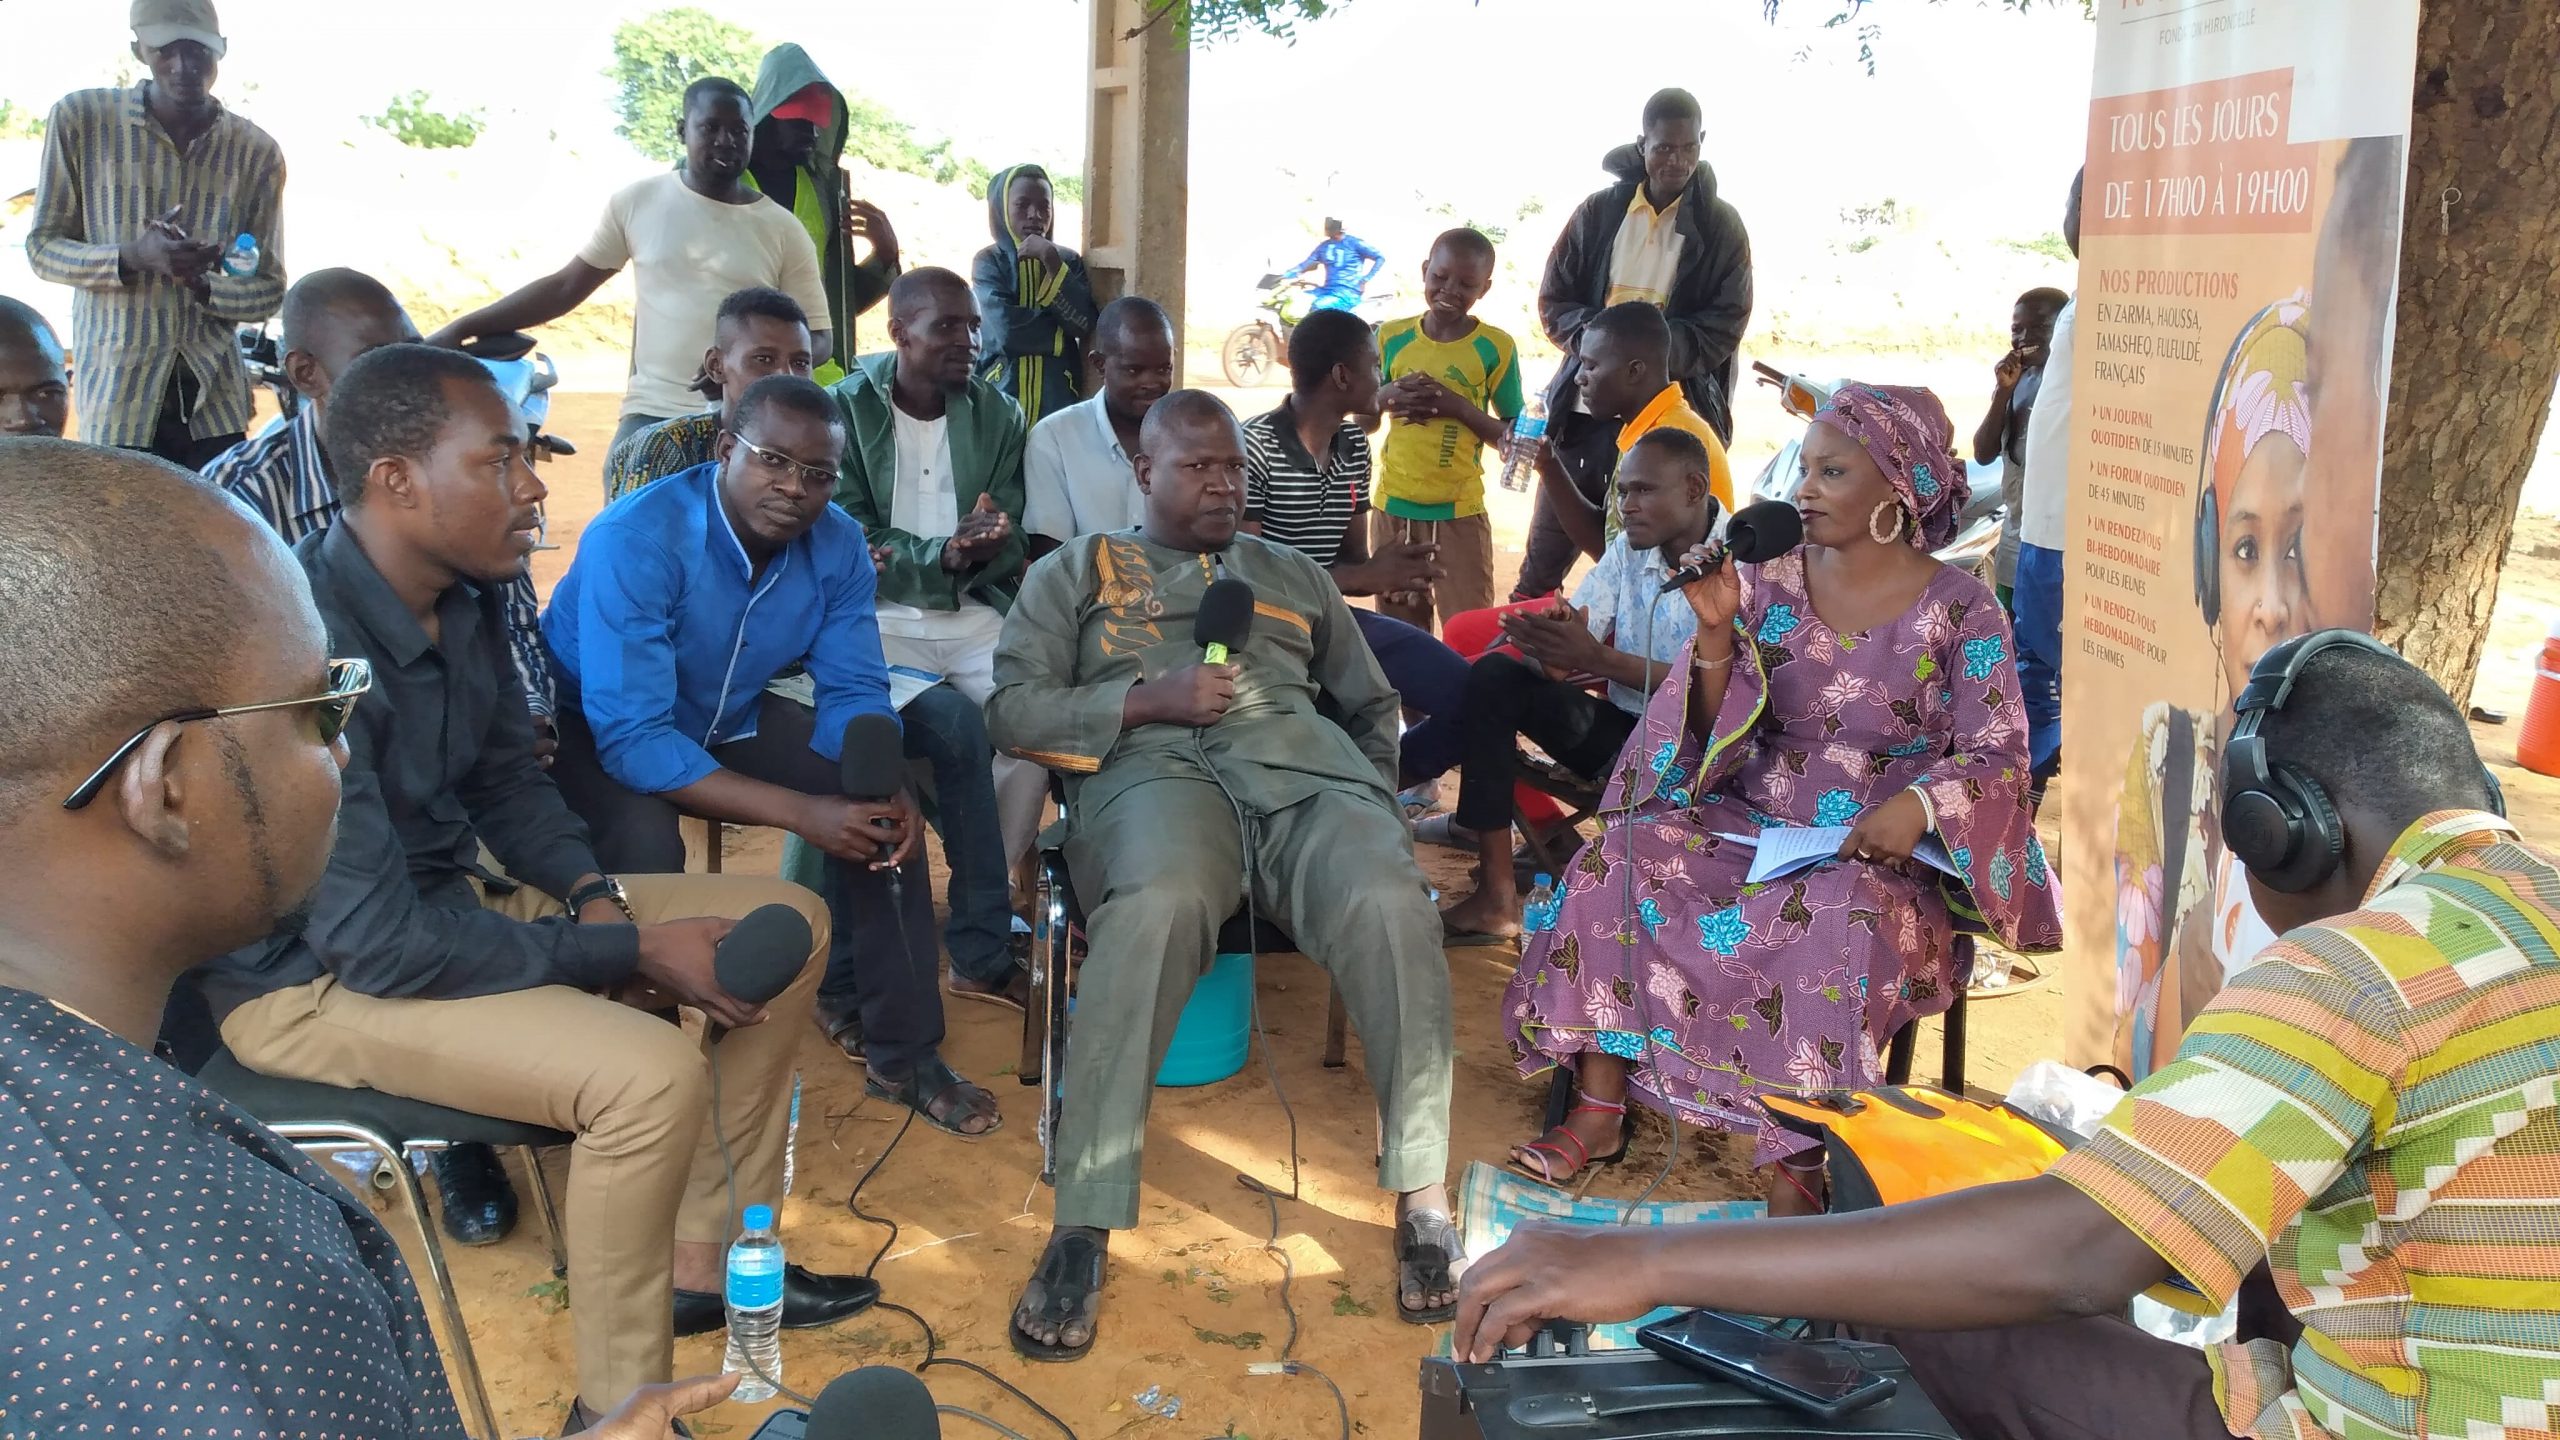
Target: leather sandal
{"x":1070,"y":1279}
{"x":1428,"y":1250}
{"x":930,"y":1091}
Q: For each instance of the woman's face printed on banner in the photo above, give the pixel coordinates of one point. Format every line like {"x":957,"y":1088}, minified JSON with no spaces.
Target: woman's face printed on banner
{"x":2264,"y":598}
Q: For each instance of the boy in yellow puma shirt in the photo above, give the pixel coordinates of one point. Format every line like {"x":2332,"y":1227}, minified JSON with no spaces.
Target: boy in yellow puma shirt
{"x":1453,"y":386}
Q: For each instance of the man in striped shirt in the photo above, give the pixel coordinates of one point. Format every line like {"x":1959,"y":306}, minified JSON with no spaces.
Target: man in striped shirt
{"x":330,"y":317}
{"x":141,"y":193}
{"x":2368,"y":1110}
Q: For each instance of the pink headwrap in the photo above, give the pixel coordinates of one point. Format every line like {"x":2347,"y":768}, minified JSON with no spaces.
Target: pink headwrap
{"x":1906,"y":432}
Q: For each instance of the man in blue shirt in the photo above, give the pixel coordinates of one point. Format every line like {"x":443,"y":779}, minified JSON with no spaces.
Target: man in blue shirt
{"x":1349,"y":262}
{"x":685,"y":601}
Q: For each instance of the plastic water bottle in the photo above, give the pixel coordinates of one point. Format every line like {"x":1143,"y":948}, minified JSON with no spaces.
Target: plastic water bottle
{"x":1540,"y":913}
{"x":754,"y":1294}
{"x":241,"y":260}
{"x":791,"y":1137}
{"x":1520,"y":457}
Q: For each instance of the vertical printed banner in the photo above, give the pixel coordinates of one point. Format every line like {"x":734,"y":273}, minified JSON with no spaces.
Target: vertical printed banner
{"x":2240,"y":250}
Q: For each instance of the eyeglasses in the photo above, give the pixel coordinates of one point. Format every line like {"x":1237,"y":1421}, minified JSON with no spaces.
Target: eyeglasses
{"x":773,"y":459}
{"x":347,"y":680}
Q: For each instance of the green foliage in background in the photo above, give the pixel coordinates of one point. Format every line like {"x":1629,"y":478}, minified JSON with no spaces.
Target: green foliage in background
{"x":656,"y":56}
{"x":1209,"y":20}
{"x":17,"y":124}
{"x":414,"y":122}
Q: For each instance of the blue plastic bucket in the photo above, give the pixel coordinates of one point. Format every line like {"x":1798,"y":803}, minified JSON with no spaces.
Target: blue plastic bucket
{"x":1216,"y":1031}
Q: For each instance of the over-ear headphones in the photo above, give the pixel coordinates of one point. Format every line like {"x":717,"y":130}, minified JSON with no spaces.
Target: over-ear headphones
{"x":2277,"y":821}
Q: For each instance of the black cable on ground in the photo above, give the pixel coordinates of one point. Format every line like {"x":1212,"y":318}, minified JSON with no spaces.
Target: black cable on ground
{"x":1272,"y":1197}
{"x":932,"y":1342}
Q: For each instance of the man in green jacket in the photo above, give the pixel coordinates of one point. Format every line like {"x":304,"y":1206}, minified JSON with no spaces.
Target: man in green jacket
{"x":800,"y":124}
{"x":933,"y":470}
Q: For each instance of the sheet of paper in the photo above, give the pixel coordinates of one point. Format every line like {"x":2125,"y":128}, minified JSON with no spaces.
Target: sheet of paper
{"x":1783,"y":850}
{"x":906,"y":683}
{"x":1786,"y":849}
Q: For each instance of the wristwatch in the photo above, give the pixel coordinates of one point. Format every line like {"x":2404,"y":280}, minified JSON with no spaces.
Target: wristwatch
{"x":602,"y":888}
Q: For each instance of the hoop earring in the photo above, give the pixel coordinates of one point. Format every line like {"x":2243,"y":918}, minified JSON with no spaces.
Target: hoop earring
{"x":1875,"y":530}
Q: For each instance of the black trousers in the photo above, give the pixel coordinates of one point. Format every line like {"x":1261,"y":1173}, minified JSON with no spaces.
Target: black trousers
{"x":170,"y":439}
{"x":636,"y":834}
{"x":1587,"y":448}
{"x":2096,"y":1378}
{"x":1507,"y":699}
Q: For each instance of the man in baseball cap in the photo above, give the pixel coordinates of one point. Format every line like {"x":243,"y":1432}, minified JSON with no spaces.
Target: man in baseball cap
{"x":138,"y":229}
{"x":159,"y":24}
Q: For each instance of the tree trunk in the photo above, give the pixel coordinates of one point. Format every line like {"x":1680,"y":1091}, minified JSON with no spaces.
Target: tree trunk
{"x":2478,"y":345}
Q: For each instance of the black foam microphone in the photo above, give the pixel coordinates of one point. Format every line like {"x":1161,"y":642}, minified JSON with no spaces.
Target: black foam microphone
{"x":1225,"y":620}
{"x":763,"y":953}
{"x":1757,"y":534}
{"x":874,"y":766}
{"x":875,"y":1402}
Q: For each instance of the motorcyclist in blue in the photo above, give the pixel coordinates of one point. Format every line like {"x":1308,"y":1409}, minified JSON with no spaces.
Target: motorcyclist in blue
{"x":1348,"y":263}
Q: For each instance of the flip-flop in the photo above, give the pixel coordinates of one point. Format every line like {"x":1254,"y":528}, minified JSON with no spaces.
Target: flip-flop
{"x":1070,"y":1274}
{"x":1453,"y":938}
{"x":1427,"y":1241}
{"x":1445,"y":831}
{"x":930,"y":1081}
{"x":997,"y":998}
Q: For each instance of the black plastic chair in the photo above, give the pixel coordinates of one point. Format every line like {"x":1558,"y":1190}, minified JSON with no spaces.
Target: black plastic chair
{"x":321,"y":1118}
{"x":326,"y":1117}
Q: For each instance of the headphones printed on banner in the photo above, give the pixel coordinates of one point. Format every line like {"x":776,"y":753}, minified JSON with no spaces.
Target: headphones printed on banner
{"x":2279,"y":822}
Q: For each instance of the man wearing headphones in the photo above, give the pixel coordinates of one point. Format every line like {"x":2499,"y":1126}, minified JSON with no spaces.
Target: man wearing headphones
{"x":2369,"y":1110}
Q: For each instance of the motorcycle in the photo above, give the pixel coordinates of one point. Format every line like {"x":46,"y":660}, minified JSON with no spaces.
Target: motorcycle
{"x":525,"y":376}
{"x":1257,"y":349}
{"x":1977,"y":527}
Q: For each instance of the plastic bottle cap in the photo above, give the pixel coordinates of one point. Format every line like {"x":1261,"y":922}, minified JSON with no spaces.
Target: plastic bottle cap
{"x":759,"y":1217}
{"x":1546,"y":880}
{"x":245,"y":241}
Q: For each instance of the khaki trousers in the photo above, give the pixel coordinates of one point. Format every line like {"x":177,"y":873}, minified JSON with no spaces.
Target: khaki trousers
{"x":645,"y":1171}
{"x":1466,"y":552}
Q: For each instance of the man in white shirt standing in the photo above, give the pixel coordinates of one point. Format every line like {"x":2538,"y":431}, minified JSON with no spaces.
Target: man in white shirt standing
{"x":2046,"y":491}
{"x":1078,"y":472}
{"x":695,"y":234}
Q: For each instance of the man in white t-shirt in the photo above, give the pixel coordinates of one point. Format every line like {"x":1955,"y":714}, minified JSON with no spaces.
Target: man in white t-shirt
{"x":933,"y":470}
{"x":695,"y":234}
{"x":1078,"y":472}
{"x":2046,"y":490}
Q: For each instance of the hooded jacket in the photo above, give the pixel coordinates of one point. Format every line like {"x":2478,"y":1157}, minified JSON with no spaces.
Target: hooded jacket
{"x":851,"y":289}
{"x":1035,"y":316}
{"x":1709,"y":306}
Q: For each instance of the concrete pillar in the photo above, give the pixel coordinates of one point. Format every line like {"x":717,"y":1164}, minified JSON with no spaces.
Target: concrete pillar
{"x":1137,"y":172}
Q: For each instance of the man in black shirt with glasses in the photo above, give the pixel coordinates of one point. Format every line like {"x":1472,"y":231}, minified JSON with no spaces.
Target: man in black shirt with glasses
{"x":465,"y":948}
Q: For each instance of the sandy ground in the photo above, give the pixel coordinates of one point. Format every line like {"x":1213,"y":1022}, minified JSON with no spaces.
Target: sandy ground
{"x":1193,"y":1296}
